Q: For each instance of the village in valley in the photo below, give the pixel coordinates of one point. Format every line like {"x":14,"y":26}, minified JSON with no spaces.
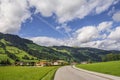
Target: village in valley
{"x":41,"y":63}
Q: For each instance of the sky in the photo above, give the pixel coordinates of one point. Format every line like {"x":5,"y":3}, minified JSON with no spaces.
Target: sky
{"x":76,"y":23}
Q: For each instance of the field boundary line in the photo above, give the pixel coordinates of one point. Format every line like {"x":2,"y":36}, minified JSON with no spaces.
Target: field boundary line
{"x":49,"y":73}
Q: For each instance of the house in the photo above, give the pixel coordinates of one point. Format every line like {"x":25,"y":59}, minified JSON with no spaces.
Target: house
{"x":41,"y":63}
{"x":59,"y":62}
{"x":55,"y":63}
{"x":21,"y":63}
{"x":84,"y":62}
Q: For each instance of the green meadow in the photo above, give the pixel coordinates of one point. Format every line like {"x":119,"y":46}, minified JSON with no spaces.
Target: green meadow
{"x":27,"y":73}
{"x":112,"y":67}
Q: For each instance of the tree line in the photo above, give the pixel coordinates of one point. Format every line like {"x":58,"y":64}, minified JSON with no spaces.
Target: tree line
{"x":111,"y":57}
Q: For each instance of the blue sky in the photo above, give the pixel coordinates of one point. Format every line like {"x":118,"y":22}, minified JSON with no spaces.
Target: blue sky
{"x":82,"y":23}
{"x":37,"y":27}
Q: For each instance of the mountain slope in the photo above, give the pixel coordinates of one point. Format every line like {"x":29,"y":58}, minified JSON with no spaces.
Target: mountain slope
{"x":85,"y":54}
{"x":14,"y":48}
{"x":19,"y":49}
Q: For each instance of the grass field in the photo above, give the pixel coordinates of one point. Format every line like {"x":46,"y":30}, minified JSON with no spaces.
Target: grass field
{"x":27,"y":73}
{"x":112,"y":67}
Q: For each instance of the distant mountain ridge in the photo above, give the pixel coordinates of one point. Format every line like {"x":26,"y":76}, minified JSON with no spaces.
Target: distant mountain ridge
{"x":14,"y":48}
{"x":86,"y":53}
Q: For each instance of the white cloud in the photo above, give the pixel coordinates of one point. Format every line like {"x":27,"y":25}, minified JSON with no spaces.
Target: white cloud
{"x":87,"y":36}
{"x":45,"y":7}
{"x":111,"y":11}
{"x":12,"y":14}
{"x":103,"y":5}
{"x":105,"y":26}
{"x":47,"y":41}
{"x":68,"y":10}
{"x":103,"y":44}
{"x":109,"y":44}
{"x":117,"y":1}
{"x":116,"y":16}
{"x":115,"y":34}
{"x":86,"y":33}
{"x":65,"y":27}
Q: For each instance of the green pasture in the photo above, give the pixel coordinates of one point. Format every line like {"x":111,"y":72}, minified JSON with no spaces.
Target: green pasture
{"x":27,"y":73}
{"x":112,"y":67}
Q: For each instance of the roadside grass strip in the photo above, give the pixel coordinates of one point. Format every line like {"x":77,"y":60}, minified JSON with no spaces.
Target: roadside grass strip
{"x":50,"y":75}
{"x":112,"y":67}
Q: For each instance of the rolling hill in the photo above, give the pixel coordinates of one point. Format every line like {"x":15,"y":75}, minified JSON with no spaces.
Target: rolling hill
{"x":14,"y":48}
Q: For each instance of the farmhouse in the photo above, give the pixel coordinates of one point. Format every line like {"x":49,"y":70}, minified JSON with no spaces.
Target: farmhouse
{"x":41,"y":63}
{"x":59,"y":62}
{"x":21,"y":63}
{"x":84,"y":62}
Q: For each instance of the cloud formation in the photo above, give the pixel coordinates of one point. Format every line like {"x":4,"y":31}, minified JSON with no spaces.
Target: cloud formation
{"x":88,"y":36}
{"x":47,"y":41}
{"x":68,"y":10}
{"x":115,"y":34}
{"x":15,"y":12}
{"x":116,"y":16}
{"x":105,"y":26}
{"x":12,"y":14}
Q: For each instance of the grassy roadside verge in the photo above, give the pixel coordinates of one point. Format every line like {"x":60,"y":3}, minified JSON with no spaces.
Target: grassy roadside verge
{"x":27,"y":73}
{"x":112,"y":67}
{"x":50,"y":75}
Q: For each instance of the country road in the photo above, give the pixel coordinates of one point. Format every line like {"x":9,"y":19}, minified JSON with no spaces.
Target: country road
{"x":70,"y":73}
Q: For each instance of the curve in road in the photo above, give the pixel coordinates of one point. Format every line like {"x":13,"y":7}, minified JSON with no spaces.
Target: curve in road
{"x":70,"y":73}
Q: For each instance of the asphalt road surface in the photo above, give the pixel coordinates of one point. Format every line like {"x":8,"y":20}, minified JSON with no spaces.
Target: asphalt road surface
{"x":70,"y":73}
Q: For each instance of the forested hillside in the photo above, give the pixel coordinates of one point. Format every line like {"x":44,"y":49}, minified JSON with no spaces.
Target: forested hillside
{"x":13,"y":48}
{"x":86,"y":53}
